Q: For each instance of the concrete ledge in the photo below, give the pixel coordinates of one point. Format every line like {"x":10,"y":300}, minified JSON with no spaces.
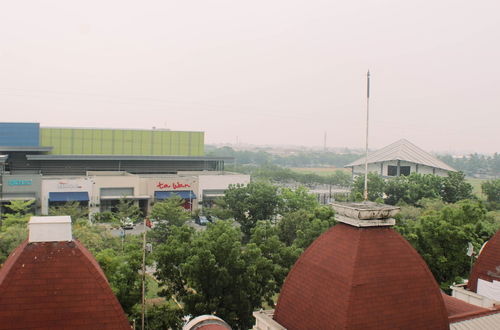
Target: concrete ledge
{"x":365,"y":210}
{"x":459,"y":292}
{"x":365,"y":223}
{"x":264,"y":321}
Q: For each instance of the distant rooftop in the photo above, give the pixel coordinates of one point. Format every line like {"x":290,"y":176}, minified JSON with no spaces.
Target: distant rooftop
{"x":403,"y":150}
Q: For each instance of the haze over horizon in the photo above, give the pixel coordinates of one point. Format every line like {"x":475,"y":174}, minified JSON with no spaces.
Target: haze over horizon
{"x":261,"y":72}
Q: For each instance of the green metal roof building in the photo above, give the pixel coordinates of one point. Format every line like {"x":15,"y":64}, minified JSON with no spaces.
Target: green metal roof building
{"x":30,"y":148}
{"x":97,"y":141}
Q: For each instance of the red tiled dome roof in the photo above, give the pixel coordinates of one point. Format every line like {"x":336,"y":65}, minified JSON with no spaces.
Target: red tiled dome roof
{"x":486,"y":266}
{"x":56,"y":285}
{"x":360,"y":278}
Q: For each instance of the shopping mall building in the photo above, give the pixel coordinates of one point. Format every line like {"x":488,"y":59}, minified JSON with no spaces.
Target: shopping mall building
{"x":98,"y":167}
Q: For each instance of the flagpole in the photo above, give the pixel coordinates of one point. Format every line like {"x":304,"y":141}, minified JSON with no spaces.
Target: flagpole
{"x":143,"y":274}
{"x":367,"y":119}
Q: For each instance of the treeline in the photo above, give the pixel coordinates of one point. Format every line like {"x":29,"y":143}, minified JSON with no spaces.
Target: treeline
{"x":475,"y":165}
{"x":409,"y":190}
{"x":299,"y":159}
{"x":278,"y":174}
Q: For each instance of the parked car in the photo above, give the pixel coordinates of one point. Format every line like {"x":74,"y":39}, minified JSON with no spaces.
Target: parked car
{"x":201,"y":220}
{"x":127,"y":224}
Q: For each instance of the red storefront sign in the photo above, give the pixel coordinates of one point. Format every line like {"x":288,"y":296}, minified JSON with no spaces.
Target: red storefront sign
{"x":174,"y":185}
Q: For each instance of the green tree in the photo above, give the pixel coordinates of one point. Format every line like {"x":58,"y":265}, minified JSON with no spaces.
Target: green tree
{"x":14,"y":227}
{"x":298,"y":199}
{"x":302,"y":227}
{"x":210,"y":272}
{"x":123,"y":272}
{"x":127,"y":209}
{"x":282,"y":257}
{"x":219,"y":209}
{"x":441,"y":237}
{"x":376,"y":186}
{"x":73,"y":209}
{"x":10,"y":238}
{"x":171,"y":210}
{"x":250,"y":203}
{"x":168,"y":213}
{"x":164,"y":316}
{"x":93,"y":237}
{"x":455,"y":188}
{"x":491,"y":189}
{"x":410,"y":189}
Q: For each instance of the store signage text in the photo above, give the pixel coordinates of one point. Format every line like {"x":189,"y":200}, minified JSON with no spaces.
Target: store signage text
{"x":175,"y":185}
{"x":67,"y":185}
{"x":20,"y":182}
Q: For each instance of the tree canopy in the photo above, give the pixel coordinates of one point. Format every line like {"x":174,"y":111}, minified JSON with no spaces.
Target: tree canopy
{"x":441,"y":233}
{"x":250,"y":203}
{"x":211,"y":272}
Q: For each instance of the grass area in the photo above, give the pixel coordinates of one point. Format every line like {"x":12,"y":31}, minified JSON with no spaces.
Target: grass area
{"x":496,"y":215}
{"x":476,"y":186}
{"x":323,"y":171}
{"x":152,"y":287}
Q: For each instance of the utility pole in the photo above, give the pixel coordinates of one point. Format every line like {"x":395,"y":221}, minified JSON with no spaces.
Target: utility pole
{"x":367,"y":119}
{"x":143,"y":275}
{"x":324,"y":142}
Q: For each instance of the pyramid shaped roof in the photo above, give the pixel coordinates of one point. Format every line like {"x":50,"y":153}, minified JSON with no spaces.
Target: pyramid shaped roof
{"x":403,"y":150}
{"x":360,"y":278}
{"x":56,"y":285}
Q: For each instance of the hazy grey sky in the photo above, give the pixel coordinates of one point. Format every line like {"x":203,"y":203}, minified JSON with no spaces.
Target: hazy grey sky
{"x":267,"y":72}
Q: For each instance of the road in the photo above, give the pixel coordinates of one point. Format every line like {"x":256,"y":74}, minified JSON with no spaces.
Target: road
{"x":139,"y":229}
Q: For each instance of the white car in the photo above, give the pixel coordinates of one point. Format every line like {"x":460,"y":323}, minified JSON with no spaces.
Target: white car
{"x":127,"y":224}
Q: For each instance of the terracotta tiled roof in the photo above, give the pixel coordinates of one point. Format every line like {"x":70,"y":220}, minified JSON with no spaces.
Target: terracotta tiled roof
{"x":360,"y":278}
{"x":212,"y":327}
{"x":487,"y":265}
{"x":56,"y":285}
{"x":459,"y":310}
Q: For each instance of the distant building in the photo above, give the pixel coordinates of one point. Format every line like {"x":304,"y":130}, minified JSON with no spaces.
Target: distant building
{"x":53,"y":282}
{"x":400,"y":158}
{"x":97,"y":167}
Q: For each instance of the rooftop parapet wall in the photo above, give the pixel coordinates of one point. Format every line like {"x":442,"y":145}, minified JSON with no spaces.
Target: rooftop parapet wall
{"x":365,"y":214}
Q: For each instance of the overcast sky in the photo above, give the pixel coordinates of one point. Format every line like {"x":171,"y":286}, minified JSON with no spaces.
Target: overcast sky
{"x":263,"y":72}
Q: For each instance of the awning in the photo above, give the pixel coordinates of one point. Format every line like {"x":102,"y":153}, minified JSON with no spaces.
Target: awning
{"x":78,"y":196}
{"x":186,"y":194}
{"x":125,"y":197}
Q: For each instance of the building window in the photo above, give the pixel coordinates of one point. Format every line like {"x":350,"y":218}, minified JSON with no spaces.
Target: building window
{"x":404,"y":170}
{"x":392,"y":170}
